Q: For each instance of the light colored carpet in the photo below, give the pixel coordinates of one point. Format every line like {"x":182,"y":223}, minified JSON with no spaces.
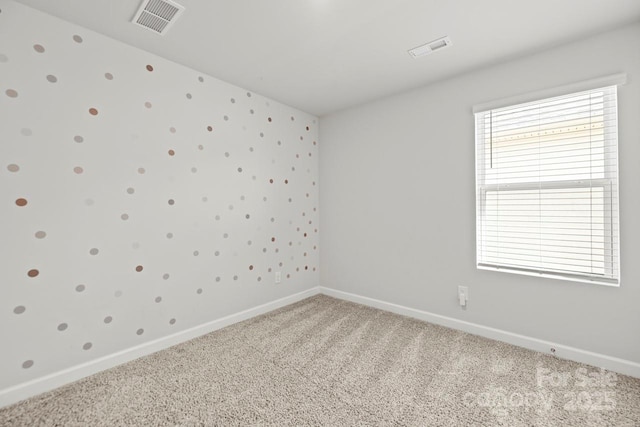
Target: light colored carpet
{"x":324,"y":361}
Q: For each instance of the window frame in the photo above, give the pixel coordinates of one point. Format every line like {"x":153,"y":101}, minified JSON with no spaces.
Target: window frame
{"x":610,"y":184}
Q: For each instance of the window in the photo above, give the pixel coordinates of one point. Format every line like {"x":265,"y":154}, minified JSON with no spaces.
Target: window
{"x":547,"y":187}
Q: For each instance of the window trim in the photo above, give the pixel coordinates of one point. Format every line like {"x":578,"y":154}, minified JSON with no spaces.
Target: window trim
{"x":619,"y":79}
{"x":607,"y":183}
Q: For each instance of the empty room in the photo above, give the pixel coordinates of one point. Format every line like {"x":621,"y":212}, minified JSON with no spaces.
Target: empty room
{"x":320,"y":213}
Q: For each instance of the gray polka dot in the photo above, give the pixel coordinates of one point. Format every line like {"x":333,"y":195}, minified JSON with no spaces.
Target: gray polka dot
{"x":13,"y":168}
{"x":165,"y":276}
{"x":249,"y":94}
{"x":94,"y":251}
{"x":108,"y":76}
{"x":141,"y":171}
{"x":131,"y":190}
{"x":171,"y":202}
{"x":3,"y":57}
{"x":158,"y":299}
{"x":140,"y":331}
{"x":27,"y":364}
{"x":235,"y":277}
{"x":169,"y":235}
{"x":200,"y":79}
{"x":218,"y":279}
{"x":217,"y":217}
{"x":199,"y":291}
{"x":38,"y":48}
{"x":251,"y":111}
{"x":200,"y":147}
{"x":124,"y":217}
{"x":40,"y":234}
{"x":189,"y":96}
{"x":226,"y":154}
{"x":87,"y":346}
{"x":233,"y":101}
{"x":239,"y":169}
{"x":11,"y":93}
{"x":78,"y":138}
{"x":194,"y":170}
{"x":80,"y":288}
{"x":217,"y":253}
{"x":148,"y":104}
{"x":51,"y":78}
{"x":77,"y":39}
{"x":172,"y":321}
{"x":26,"y":131}
{"x":230,"y":207}
{"x":108,"y":319}
{"x":135,"y":245}
{"x":19,"y":309}
{"x":247,"y":216}
{"x":225,"y":235}
{"x":205,"y":199}
{"x":62,"y":327}
{"x":196,"y":253}
{"x":89,"y":202}
{"x":117,"y":294}
{"x":226,"y":118}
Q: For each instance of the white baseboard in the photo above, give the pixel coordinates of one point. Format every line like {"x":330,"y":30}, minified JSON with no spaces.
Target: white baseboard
{"x":57,"y":379}
{"x":613,"y":364}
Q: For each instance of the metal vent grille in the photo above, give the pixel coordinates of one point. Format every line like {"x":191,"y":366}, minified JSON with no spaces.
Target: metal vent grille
{"x":157,"y":15}
{"x":429,"y":48}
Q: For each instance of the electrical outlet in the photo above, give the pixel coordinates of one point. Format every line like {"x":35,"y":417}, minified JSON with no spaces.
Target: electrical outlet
{"x":463,"y":295}
{"x":278,"y":277}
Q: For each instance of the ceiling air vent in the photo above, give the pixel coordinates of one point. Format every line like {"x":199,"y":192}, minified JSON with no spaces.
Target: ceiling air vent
{"x":157,"y":15}
{"x":429,"y":48}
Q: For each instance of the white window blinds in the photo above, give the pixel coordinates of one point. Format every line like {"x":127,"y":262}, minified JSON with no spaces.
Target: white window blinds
{"x":547,"y":187}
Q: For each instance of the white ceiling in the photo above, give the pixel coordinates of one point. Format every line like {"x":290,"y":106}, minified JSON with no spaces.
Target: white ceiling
{"x":325,"y":55}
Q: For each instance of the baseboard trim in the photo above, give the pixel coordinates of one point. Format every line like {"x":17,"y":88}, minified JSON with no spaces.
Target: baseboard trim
{"x":49,"y":382}
{"x":34,"y":387}
{"x":610,"y":363}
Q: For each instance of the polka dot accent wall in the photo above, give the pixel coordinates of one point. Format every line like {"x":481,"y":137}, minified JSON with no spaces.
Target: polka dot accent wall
{"x":137,"y":199}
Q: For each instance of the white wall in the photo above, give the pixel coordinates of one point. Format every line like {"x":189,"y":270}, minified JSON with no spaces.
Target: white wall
{"x":398,"y":203}
{"x":105,"y":182}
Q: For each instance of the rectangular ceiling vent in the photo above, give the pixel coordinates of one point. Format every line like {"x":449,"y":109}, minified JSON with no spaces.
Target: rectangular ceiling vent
{"x":429,"y":48}
{"x":157,"y":15}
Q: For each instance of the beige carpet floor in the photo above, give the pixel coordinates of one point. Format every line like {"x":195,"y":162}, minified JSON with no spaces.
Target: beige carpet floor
{"x":324,"y":361}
